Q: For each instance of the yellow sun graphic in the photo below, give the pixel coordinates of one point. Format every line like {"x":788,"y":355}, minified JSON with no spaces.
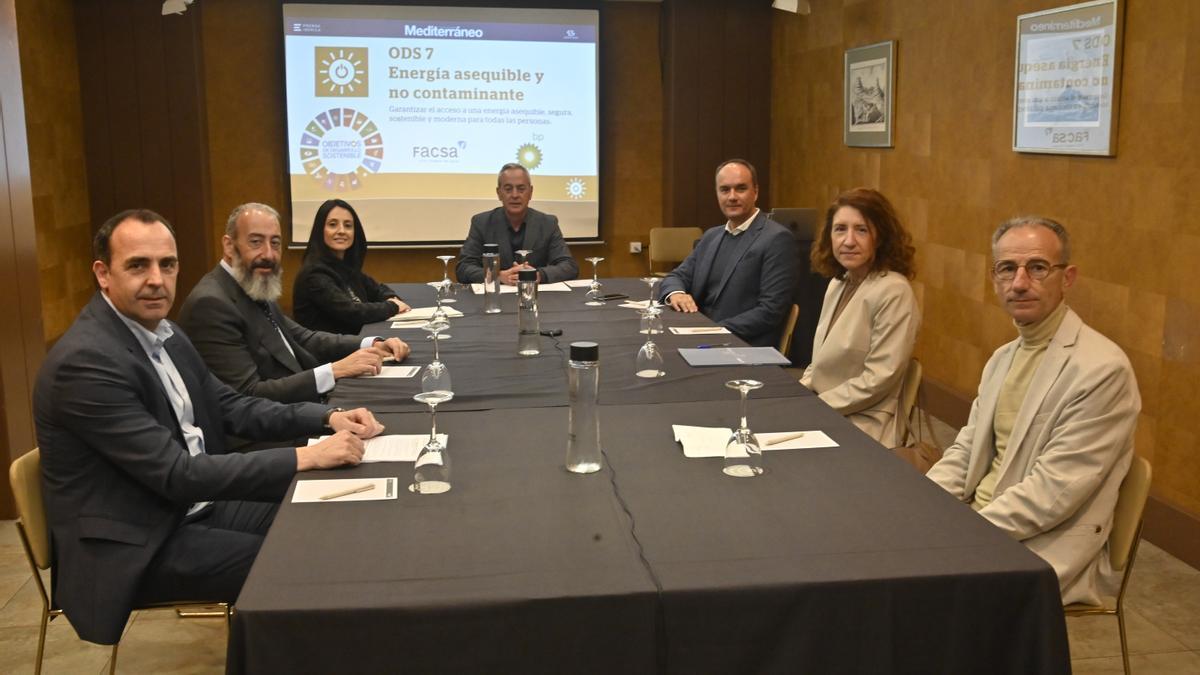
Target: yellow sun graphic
{"x":529,"y":156}
{"x":342,"y":72}
{"x":576,"y":188}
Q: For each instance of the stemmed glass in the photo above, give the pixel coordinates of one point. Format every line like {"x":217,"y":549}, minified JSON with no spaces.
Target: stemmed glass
{"x":651,"y":323}
{"x":651,"y":282}
{"x":435,"y":376}
{"x":439,"y":315}
{"x":446,"y":278}
{"x":431,"y":471}
{"x":743,"y":456}
{"x":649,"y":357}
{"x":523,"y":255}
{"x":595,"y":294}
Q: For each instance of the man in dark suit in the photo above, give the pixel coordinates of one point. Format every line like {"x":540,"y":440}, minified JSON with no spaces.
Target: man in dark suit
{"x":140,"y":493}
{"x":232,"y":318}
{"x":740,"y":275}
{"x":515,"y":226}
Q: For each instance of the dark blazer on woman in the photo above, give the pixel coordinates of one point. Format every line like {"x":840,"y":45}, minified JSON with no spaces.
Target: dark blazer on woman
{"x":331,"y":296}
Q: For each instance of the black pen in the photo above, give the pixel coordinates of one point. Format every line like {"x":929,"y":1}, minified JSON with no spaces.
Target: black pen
{"x":719,"y":344}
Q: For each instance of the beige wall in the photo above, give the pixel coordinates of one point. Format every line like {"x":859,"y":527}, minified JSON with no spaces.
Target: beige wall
{"x":58,"y":172}
{"x":243,"y":65}
{"x":954,"y":177}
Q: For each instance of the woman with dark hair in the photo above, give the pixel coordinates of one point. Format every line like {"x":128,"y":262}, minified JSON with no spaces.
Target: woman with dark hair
{"x":331,"y":293}
{"x":869,"y":319}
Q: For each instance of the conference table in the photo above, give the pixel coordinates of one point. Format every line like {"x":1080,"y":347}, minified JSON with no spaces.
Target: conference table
{"x":840,"y":559}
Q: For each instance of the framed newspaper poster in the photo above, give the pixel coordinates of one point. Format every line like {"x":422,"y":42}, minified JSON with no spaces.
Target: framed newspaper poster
{"x":1067,"y":79}
{"x":870,"y":95}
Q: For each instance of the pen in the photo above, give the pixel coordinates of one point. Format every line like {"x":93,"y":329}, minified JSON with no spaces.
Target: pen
{"x":785,"y":439}
{"x":349,"y":491}
{"x":719,"y":344}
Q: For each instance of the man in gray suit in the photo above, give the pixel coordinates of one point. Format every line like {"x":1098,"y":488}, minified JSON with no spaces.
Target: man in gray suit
{"x":515,"y":226}
{"x":232,"y":318}
{"x":144,"y":500}
{"x":740,"y":275}
{"x":1050,"y":435}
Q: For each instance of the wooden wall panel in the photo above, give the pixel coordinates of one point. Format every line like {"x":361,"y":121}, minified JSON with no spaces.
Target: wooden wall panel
{"x":954,"y":177}
{"x":143,"y":104}
{"x":243,"y":66}
{"x":718,"y":102}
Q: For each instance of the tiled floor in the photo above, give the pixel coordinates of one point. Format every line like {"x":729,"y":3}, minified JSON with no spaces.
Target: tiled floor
{"x":1163,"y":622}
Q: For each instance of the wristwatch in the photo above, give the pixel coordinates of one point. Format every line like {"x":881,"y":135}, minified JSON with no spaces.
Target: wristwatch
{"x":328,"y":415}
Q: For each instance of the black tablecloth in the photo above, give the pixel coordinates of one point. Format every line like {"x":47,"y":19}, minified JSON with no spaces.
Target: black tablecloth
{"x":836,"y":560}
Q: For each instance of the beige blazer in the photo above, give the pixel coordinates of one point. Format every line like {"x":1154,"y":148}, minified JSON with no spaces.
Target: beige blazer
{"x":1071,"y":445}
{"x":859,"y":365}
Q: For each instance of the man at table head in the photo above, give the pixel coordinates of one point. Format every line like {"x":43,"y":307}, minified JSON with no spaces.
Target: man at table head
{"x":144,"y":502}
{"x":742,"y":275}
{"x":233,"y":319}
{"x":1050,"y":434}
{"x":515,"y":226}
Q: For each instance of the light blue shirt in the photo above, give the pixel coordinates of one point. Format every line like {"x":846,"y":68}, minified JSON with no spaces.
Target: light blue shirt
{"x":153,"y":343}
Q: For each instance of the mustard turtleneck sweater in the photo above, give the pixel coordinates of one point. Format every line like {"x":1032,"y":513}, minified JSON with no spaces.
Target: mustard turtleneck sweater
{"x":1035,"y":337}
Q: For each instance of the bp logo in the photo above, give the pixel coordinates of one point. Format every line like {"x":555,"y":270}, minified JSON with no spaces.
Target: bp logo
{"x":340,"y":71}
{"x":339,"y":147}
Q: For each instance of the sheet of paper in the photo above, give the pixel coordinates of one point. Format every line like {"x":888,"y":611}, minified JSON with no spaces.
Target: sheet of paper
{"x":424,"y":313}
{"x":393,"y":447}
{"x":313,"y":490}
{"x":416,"y":323}
{"x":733,"y":356}
{"x":810,"y":439}
{"x":702,"y":441}
{"x":699,"y":330}
{"x":477,"y":289}
{"x":636,"y":304}
{"x":398,"y":371}
{"x":556,"y":287}
{"x":578,"y":283}
{"x":711,"y":441}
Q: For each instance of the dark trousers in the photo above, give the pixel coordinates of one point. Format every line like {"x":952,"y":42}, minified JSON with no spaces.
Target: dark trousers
{"x":209,"y":555}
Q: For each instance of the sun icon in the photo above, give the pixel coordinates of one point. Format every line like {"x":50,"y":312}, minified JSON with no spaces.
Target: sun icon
{"x":341,"y":70}
{"x":576,"y":188}
{"x":529,"y":156}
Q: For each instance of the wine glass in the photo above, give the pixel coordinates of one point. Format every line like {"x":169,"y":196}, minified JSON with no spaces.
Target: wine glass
{"x":446,"y":278}
{"x":431,"y":471}
{"x":435,"y":376}
{"x":743,"y":456}
{"x":649,"y":360}
{"x":651,"y":323}
{"x":439,"y":315}
{"x":595,"y":295}
{"x":651,"y":282}
{"x":523,"y":255}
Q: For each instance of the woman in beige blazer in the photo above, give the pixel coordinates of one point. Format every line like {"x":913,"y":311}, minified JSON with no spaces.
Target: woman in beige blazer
{"x":870,"y":317}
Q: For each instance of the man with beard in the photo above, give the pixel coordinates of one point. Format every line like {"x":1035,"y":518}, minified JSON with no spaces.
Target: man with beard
{"x":233,"y":320}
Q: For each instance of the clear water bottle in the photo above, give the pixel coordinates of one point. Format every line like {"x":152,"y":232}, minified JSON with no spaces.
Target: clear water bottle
{"x":583,"y":420}
{"x":491,"y":278}
{"x":528,"y":337}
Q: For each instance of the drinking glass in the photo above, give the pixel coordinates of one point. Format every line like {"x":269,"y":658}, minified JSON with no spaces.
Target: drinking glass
{"x":651,"y":282}
{"x":595,"y":293}
{"x":431,"y":471}
{"x":651,"y":323}
{"x":523,"y":255}
{"x":449,"y":285}
{"x":439,"y":315}
{"x":649,"y":360}
{"x":743,"y":456}
{"x":435,"y":376}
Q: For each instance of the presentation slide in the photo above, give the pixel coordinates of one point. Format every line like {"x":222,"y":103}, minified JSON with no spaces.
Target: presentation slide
{"x":408,"y":113}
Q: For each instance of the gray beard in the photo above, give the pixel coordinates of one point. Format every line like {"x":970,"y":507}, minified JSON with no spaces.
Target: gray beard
{"x":260,"y":289}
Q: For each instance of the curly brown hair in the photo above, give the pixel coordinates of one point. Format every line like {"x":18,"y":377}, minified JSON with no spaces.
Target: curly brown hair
{"x":893,"y":245}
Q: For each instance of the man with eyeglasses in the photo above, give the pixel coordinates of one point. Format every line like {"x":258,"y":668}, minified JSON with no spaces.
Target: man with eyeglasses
{"x":1050,"y":435}
{"x":515,"y":227}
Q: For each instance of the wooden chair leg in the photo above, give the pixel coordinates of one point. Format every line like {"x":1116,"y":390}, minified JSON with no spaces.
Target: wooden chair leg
{"x":112,"y":661}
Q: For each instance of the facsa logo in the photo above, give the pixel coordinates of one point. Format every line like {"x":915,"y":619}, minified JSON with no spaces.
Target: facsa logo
{"x":435,"y":152}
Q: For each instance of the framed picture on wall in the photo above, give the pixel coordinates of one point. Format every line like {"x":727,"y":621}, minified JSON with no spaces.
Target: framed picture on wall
{"x":1067,"y":79}
{"x":870,"y":96}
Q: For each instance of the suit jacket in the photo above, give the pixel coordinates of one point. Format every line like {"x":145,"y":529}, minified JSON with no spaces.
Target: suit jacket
{"x":1071,"y":445}
{"x":753,"y":296}
{"x":329,"y":295}
{"x":548,"y":252}
{"x":858,"y":366}
{"x":117,"y":475}
{"x":245,"y":351}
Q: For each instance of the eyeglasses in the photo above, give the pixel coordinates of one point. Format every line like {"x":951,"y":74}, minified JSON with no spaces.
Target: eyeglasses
{"x":1037,"y":269}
